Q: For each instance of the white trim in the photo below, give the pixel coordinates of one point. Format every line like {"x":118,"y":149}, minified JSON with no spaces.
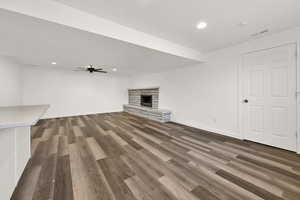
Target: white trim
{"x":210,"y":129}
{"x":221,"y":132}
{"x":240,"y":98}
{"x":298,"y":96}
{"x":240,"y":89}
{"x":268,"y":48}
{"x":15,"y":157}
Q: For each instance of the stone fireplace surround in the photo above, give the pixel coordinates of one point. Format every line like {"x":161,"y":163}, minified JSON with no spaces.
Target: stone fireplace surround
{"x":154,"y":113}
{"x":134,"y":96}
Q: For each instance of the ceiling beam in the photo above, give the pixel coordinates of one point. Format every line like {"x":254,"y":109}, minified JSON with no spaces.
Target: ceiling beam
{"x":59,"y":13}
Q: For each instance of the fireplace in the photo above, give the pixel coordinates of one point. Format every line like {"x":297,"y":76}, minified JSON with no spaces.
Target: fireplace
{"x":146,"y":100}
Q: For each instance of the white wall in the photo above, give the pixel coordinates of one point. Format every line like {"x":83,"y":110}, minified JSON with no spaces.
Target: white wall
{"x":73,"y":93}
{"x":10,"y":82}
{"x":206,"y":95}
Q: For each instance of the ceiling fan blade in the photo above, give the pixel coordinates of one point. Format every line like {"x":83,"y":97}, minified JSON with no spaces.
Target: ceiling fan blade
{"x":90,"y":69}
{"x":81,"y":68}
{"x":101,"y":71}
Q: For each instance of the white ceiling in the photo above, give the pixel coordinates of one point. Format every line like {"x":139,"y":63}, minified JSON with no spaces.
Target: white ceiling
{"x":38,"y":42}
{"x":175,"y":20}
{"x":40,"y":39}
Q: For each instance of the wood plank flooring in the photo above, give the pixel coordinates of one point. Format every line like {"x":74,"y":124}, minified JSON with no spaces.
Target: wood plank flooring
{"x":117,"y":156}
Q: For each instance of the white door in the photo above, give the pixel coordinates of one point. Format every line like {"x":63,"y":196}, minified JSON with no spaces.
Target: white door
{"x":269,"y":97}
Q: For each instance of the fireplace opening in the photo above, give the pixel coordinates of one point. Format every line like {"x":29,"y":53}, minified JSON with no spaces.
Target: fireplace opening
{"x":146,"y":100}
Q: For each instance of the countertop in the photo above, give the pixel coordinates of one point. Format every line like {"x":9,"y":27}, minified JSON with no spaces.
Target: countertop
{"x":21,"y":116}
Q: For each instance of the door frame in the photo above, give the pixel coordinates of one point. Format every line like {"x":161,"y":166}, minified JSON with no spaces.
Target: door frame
{"x":241,"y":74}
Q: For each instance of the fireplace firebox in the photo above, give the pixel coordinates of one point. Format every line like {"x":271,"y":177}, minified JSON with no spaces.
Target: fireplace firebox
{"x":146,"y":100}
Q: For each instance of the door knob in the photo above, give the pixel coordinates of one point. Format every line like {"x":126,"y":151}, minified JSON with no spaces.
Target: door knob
{"x":246,"y":101}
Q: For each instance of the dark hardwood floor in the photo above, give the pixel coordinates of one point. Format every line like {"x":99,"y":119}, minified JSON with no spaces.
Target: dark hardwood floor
{"x":124,"y":157}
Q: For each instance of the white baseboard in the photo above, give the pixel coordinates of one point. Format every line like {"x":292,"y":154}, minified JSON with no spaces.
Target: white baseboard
{"x":79,"y":114}
{"x":222,"y":132}
{"x":214,"y":130}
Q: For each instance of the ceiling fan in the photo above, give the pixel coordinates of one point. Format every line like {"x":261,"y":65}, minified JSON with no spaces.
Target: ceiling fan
{"x":91,"y":69}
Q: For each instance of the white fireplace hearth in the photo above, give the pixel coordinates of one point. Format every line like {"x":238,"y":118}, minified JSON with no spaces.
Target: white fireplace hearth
{"x":144,"y":102}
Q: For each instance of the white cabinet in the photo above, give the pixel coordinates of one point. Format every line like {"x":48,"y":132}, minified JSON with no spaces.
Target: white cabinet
{"x":15,"y":125}
{"x":14,"y":155}
{"x":23,"y":151}
{"x":7,"y":162}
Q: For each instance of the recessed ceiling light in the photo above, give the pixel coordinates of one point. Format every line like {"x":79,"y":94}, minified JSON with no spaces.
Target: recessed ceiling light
{"x":114,"y":69}
{"x":53,"y":63}
{"x":201,"y":25}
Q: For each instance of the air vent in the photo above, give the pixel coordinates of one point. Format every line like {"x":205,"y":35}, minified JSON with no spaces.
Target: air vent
{"x":260,"y":33}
